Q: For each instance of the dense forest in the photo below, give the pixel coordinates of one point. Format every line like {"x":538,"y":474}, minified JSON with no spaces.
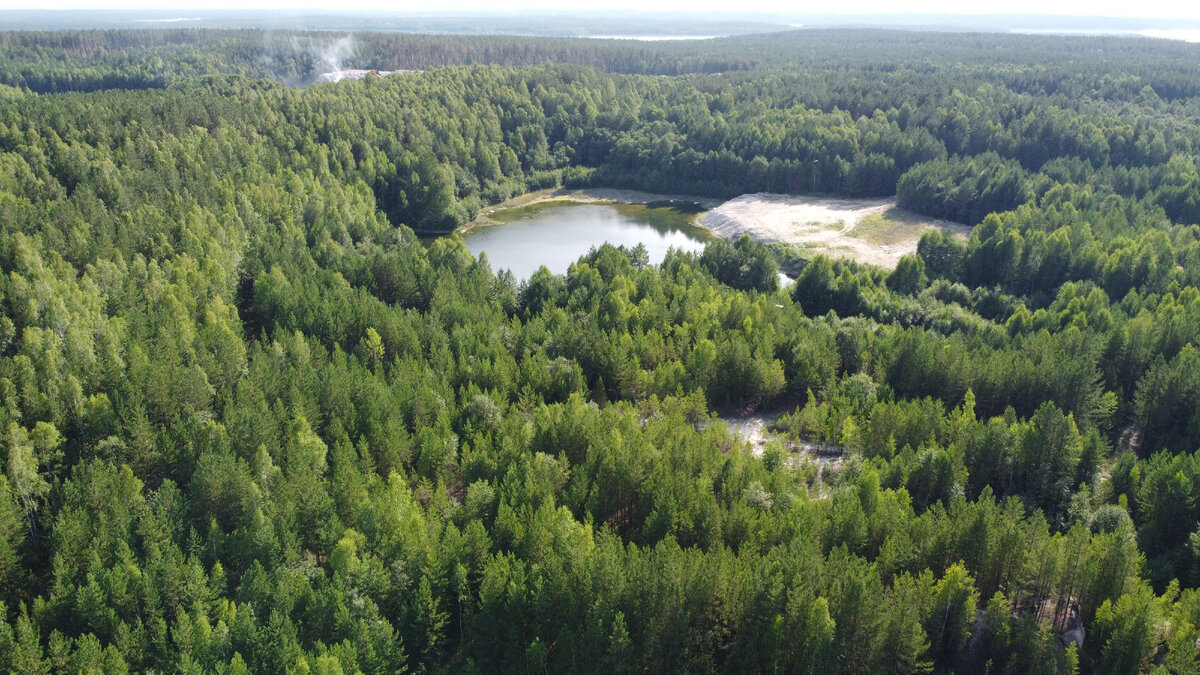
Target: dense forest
{"x":252,"y":424}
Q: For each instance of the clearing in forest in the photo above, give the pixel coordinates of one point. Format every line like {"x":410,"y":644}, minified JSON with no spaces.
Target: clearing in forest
{"x":873,"y":231}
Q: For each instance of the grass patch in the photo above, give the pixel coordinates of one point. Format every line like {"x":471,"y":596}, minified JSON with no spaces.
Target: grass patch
{"x":891,"y":227}
{"x":875,"y":228}
{"x":791,"y":259}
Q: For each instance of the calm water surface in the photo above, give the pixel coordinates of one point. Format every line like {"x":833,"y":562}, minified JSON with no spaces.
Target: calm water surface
{"x":556,"y":234}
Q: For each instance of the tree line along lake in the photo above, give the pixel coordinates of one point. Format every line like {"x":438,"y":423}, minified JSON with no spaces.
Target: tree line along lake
{"x":556,"y":232}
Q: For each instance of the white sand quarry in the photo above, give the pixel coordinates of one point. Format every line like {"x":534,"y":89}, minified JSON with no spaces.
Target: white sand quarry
{"x":873,"y":231}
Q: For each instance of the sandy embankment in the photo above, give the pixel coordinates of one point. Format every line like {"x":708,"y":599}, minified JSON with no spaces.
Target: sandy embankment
{"x":873,"y":231}
{"x":625,"y":197}
{"x":584,"y":195}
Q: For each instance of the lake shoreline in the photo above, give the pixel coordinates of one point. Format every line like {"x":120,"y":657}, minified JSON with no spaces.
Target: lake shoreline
{"x":871,"y":231}
{"x":584,"y":196}
{"x":555,"y":232}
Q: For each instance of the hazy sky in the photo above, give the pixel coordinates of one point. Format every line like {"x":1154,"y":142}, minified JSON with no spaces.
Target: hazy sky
{"x":1146,"y":8}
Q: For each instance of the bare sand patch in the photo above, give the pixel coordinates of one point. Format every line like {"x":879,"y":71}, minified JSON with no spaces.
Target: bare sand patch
{"x":628,"y":197}
{"x":873,"y":231}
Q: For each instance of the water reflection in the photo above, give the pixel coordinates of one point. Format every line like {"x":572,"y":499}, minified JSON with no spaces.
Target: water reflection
{"x":556,"y":234}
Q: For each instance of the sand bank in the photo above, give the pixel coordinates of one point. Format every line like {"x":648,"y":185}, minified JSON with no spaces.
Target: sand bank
{"x":873,"y":231}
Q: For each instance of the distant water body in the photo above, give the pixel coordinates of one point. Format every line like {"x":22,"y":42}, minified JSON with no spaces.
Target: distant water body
{"x":651,"y":38}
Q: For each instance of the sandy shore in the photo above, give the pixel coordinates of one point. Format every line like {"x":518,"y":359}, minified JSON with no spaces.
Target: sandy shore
{"x":873,"y":231}
{"x":585,"y":195}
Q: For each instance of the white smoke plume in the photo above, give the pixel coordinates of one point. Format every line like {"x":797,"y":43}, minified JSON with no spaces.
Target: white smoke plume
{"x":334,"y":54}
{"x":299,"y":61}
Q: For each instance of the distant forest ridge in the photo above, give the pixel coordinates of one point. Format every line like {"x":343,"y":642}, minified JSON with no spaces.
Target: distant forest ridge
{"x":569,"y":23}
{"x":87,"y":60}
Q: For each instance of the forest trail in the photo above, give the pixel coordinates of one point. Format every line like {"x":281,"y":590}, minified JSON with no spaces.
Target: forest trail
{"x":755,"y":431}
{"x":873,"y":231}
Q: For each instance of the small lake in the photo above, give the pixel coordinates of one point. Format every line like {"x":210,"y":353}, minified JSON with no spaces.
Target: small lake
{"x":557,"y":233}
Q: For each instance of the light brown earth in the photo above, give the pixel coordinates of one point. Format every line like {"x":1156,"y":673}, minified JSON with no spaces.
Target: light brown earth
{"x":873,"y":231}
